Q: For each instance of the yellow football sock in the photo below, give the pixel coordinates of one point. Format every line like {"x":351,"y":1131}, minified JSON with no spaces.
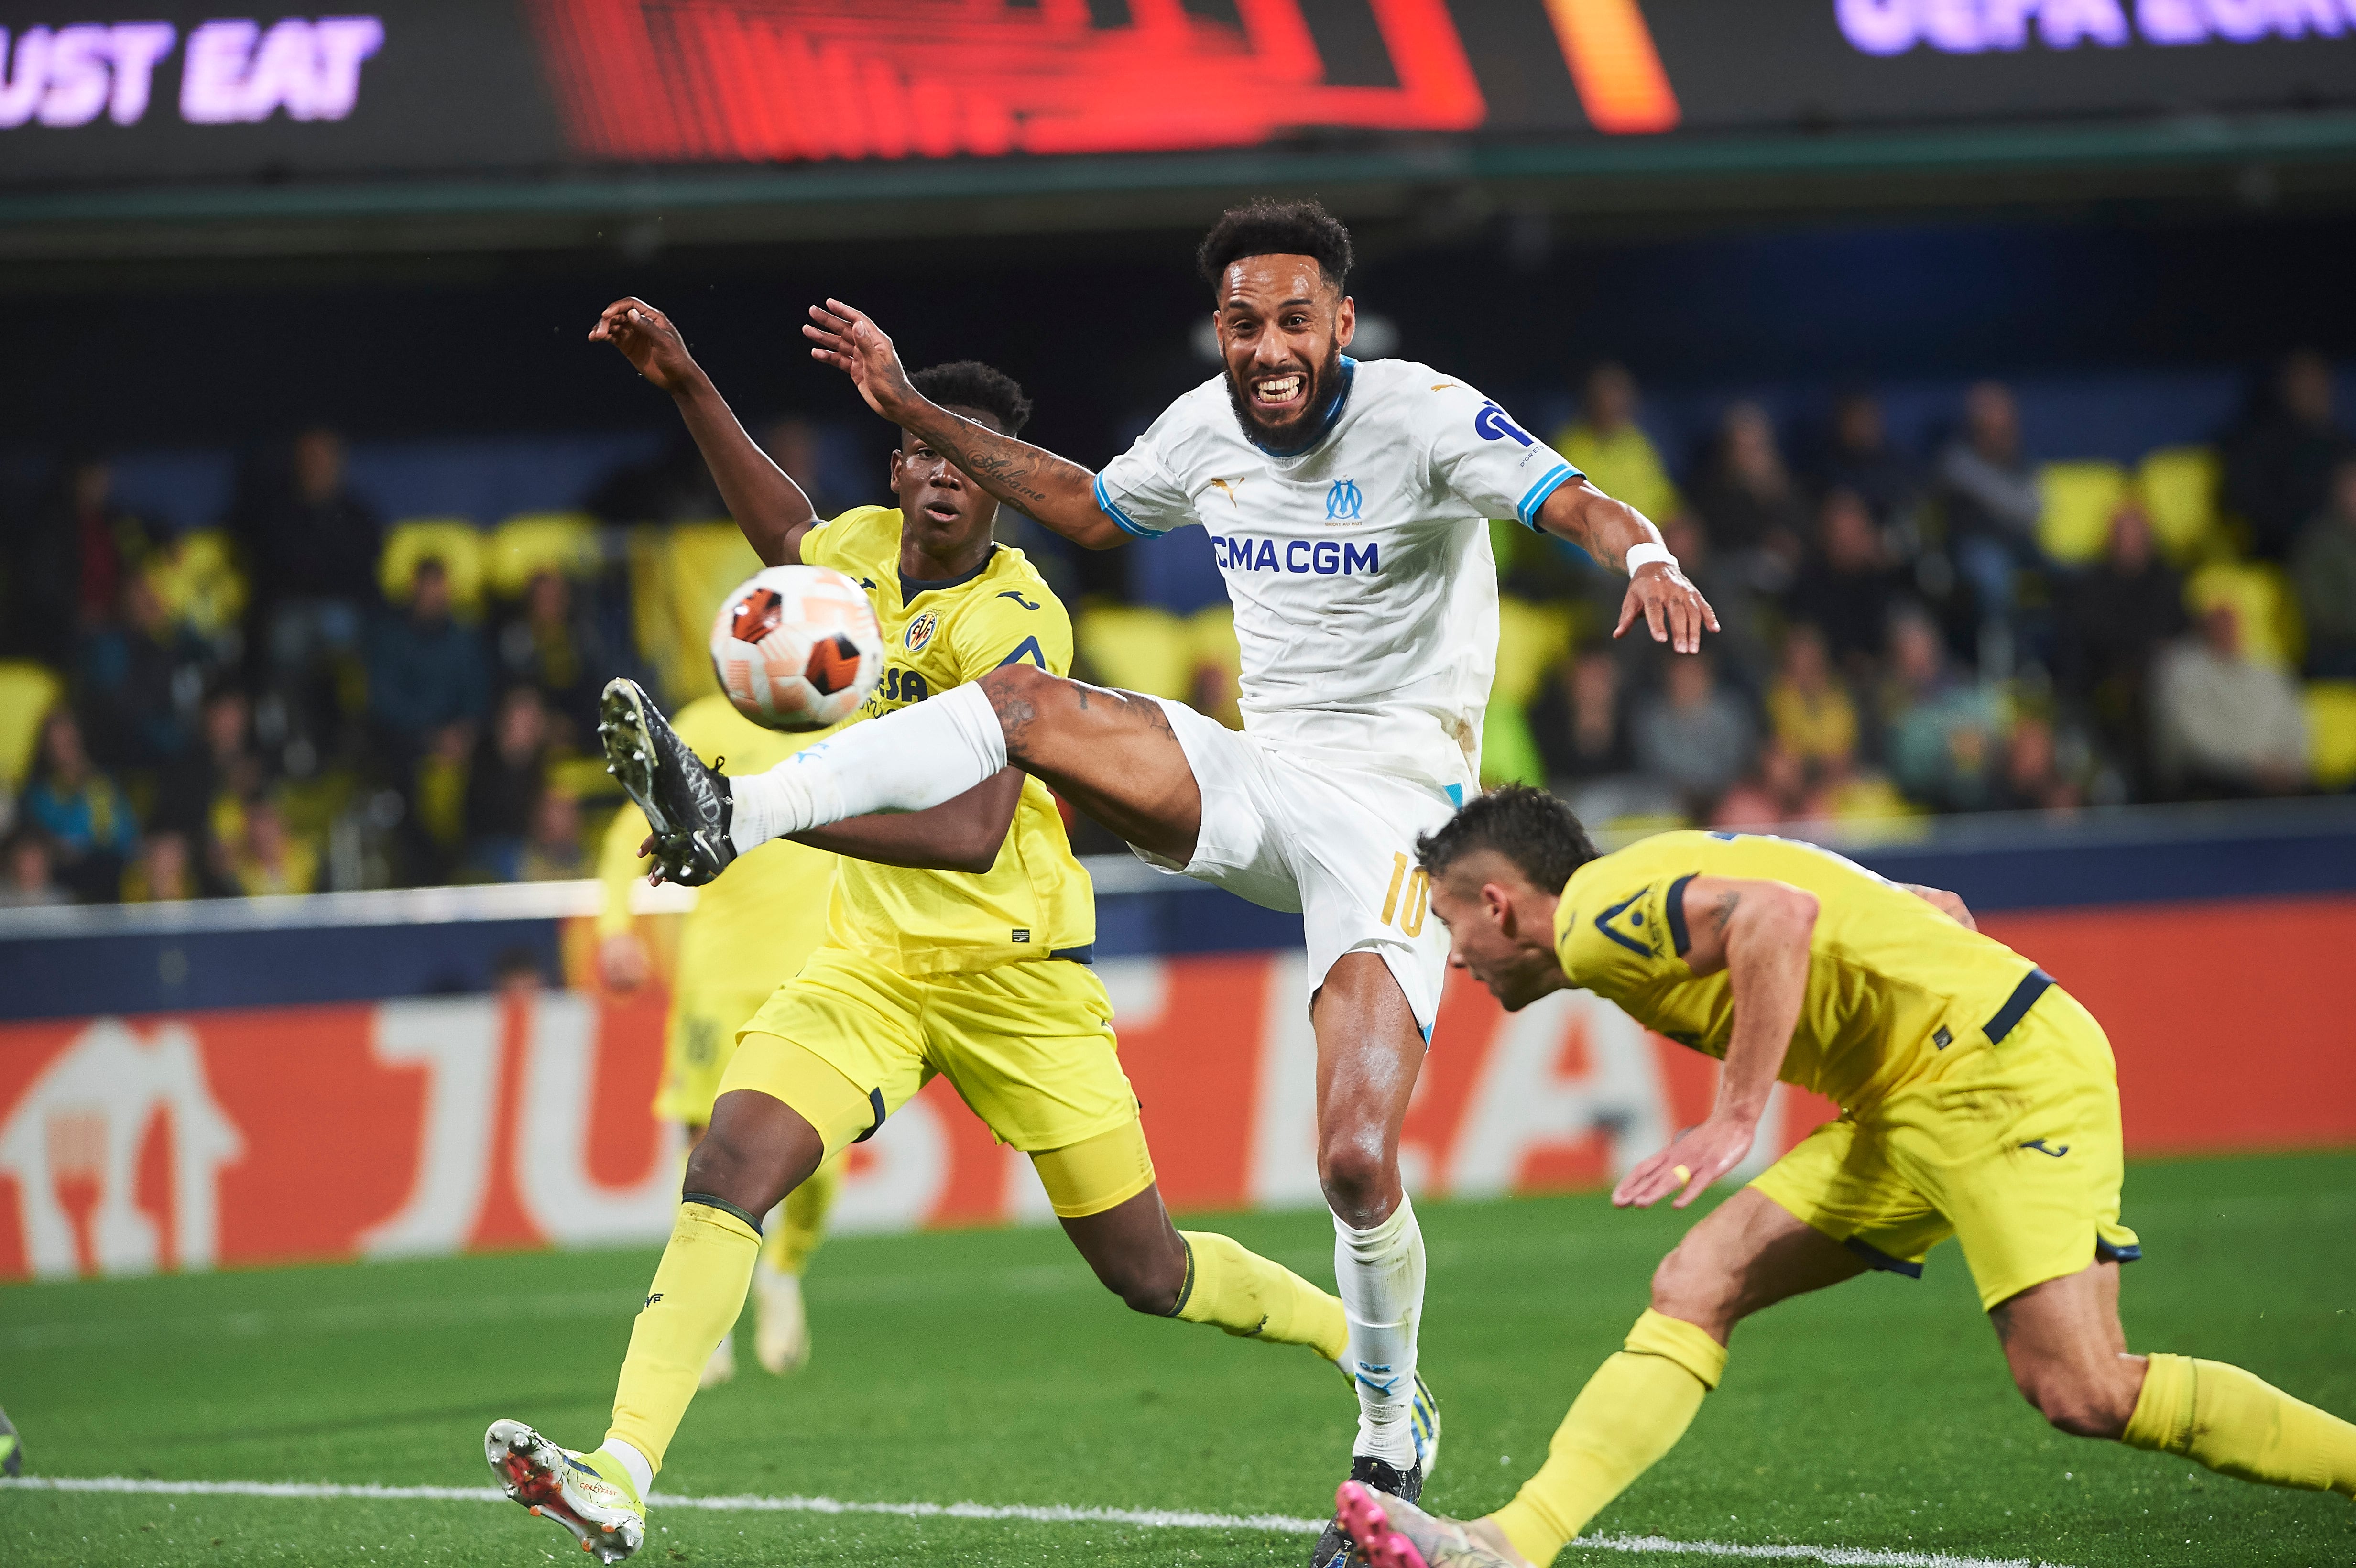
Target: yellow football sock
{"x":2237,"y":1424}
{"x":801,"y":1219}
{"x":1253,"y":1298}
{"x":1630,"y":1413}
{"x":699,"y":1290}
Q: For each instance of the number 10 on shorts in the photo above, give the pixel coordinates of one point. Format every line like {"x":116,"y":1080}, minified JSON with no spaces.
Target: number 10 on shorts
{"x":1410,"y":910}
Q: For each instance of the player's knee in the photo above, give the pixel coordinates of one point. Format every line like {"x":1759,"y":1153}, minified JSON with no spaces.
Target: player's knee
{"x":2075,"y":1403}
{"x":1147,"y":1284}
{"x":1687,"y":1288}
{"x":1359,"y":1177}
{"x":725,"y":1169}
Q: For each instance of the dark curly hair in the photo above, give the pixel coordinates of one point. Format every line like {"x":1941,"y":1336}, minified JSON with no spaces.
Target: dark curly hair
{"x":970,"y":384}
{"x":1264,"y":228}
{"x":1541,"y":836}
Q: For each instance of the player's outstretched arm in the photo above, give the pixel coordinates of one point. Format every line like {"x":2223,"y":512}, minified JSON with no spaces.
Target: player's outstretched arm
{"x":1608,"y":529}
{"x":764,"y":499}
{"x":1757,"y":931}
{"x":1947,"y":904}
{"x":960,"y":835}
{"x":1060,"y":494}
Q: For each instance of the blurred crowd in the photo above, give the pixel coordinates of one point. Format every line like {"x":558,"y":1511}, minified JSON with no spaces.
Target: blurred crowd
{"x":310,"y":695}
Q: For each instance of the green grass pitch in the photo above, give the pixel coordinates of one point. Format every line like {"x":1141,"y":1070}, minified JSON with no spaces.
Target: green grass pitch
{"x":988,"y":1367}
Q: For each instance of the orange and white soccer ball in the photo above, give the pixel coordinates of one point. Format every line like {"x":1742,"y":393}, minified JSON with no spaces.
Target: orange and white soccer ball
{"x":797,"y":647}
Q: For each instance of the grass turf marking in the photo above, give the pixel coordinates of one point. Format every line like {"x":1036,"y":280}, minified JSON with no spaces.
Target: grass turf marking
{"x":1149,"y":1519}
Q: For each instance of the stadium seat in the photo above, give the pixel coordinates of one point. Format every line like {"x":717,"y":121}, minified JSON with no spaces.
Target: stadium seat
{"x":2331,"y":732}
{"x":2272,"y":632}
{"x":1138,"y":648}
{"x":523,"y":547}
{"x":27,"y":691}
{"x":456,"y":543}
{"x":679,"y":575}
{"x":1531,"y":640}
{"x":2079,"y":501}
{"x":198,"y":578}
{"x":2178,"y":487}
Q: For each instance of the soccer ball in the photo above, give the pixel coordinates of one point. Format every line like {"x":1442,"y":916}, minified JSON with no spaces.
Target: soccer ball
{"x":797,"y":647}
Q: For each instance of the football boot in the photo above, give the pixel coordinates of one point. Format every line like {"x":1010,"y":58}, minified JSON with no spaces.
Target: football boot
{"x":1388,"y":1531}
{"x":588,"y":1494}
{"x":687,"y":804}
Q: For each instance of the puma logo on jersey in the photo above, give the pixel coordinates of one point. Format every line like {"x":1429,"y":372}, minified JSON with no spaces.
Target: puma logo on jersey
{"x":1228,"y":488}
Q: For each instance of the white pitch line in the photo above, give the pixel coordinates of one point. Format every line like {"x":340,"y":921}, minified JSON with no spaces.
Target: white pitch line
{"x":1149,"y":1519}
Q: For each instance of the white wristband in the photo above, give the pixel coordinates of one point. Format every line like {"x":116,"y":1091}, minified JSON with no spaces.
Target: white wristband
{"x":1639,"y":555}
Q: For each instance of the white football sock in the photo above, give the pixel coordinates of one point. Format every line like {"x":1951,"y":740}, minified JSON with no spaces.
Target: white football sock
{"x":642,"y":1474}
{"x":1379,"y":1276}
{"x":924,"y":754}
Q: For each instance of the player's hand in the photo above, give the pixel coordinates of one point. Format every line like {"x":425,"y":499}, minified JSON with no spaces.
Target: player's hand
{"x":1672,"y":606}
{"x":623,"y":962}
{"x":846,"y":339}
{"x":649,"y":341}
{"x":1698,"y":1157}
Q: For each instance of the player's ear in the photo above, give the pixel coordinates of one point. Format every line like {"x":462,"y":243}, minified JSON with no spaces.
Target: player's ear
{"x":1499,"y":903}
{"x":1345,"y":322}
{"x":891,"y":476}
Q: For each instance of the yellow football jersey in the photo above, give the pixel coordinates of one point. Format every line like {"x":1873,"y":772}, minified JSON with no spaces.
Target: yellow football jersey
{"x":752,"y":928}
{"x":1893,"y":982}
{"x":1036,"y":902}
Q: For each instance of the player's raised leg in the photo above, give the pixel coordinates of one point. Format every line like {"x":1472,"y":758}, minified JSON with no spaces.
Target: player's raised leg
{"x":2068,"y":1354}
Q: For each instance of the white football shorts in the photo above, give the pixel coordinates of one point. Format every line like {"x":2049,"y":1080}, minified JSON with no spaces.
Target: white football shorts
{"x":1336,"y":844}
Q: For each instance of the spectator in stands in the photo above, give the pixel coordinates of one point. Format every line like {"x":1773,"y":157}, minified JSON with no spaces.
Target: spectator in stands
{"x":1694,"y":735}
{"x":1861,"y":459}
{"x":211,"y":777}
{"x":551,"y":850}
{"x":1747,"y":499}
{"x":1579,"y":723}
{"x":2225,"y":724}
{"x":2323,"y":569}
{"x":793,"y":444}
{"x":87,"y":823}
{"x":1775,"y":794}
{"x":1848,"y":585}
{"x":2121,"y":611}
{"x":1988,"y":493}
{"x":506,"y":776}
{"x":2034,"y":777}
{"x":311,"y":546}
{"x":1606,"y":444}
{"x":1740,"y":649}
{"x":2278,"y":465}
{"x":426,"y":671}
{"x":164,"y":872}
{"x":141,"y":674}
{"x":66,"y":574}
{"x":1940,"y":732}
{"x":27,"y":871}
{"x":1809,"y":711}
{"x":270,"y":857}
{"x":673,"y":487}
{"x":554,"y":643}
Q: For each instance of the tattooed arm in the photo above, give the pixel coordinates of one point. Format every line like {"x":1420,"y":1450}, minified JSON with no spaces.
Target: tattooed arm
{"x":1757,"y":932}
{"x":1607,"y":530}
{"x":1060,"y":494}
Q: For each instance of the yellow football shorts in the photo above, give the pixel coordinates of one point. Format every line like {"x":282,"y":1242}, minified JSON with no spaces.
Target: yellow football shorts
{"x":1028,"y":1045}
{"x":2012,"y":1146}
{"x":697,"y":1040}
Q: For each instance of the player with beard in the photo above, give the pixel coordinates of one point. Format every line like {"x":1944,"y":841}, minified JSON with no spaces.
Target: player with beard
{"x":1347,"y":507}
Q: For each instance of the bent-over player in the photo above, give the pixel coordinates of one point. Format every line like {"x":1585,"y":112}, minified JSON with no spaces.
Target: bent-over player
{"x":1347,"y":507}
{"x":958,"y":945}
{"x":1978,"y":1099}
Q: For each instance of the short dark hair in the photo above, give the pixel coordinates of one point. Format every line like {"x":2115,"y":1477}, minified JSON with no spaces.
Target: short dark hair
{"x":970,"y":384}
{"x":1542,"y":837}
{"x":1264,"y":228}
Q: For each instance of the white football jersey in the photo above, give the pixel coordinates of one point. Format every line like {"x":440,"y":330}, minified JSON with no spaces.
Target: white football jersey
{"x":1365,"y":593}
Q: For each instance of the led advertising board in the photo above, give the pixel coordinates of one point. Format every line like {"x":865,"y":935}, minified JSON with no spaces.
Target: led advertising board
{"x":413,"y":86}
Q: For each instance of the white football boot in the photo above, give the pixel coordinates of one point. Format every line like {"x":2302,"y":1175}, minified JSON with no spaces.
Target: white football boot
{"x":588,"y":1494}
{"x":781,"y":1338}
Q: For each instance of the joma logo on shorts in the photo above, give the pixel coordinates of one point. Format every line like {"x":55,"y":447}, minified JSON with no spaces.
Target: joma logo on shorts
{"x":1323,"y":557}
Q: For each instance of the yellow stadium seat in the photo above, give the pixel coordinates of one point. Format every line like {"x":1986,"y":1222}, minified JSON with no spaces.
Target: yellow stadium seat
{"x":2331,"y":732}
{"x":2079,"y":501}
{"x":27,"y":691}
{"x":1138,"y":648}
{"x":1219,"y":662}
{"x":523,"y":547}
{"x":679,"y":575}
{"x":456,"y":543}
{"x":2272,"y":633}
{"x":199,"y":581}
{"x":2178,"y":487}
